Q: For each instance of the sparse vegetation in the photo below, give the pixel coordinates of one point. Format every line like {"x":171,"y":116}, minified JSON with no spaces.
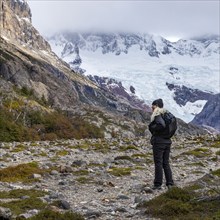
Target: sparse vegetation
{"x":120,"y":171}
{"x":21,"y":172}
{"x":19,"y":124}
{"x":81,"y":172}
{"x":84,"y":180}
{"x":19,"y":148}
{"x":123,"y":157}
{"x":182,"y":204}
{"x":215,"y":144}
{"x":199,"y":152}
{"x":62,"y":153}
{"x":18,"y":193}
{"x":21,"y":206}
{"x":129,"y":147}
{"x":218,"y":153}
{"x":216,"y":172}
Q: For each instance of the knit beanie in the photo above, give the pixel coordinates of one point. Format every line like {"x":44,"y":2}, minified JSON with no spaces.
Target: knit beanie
{"x":158,"y":102}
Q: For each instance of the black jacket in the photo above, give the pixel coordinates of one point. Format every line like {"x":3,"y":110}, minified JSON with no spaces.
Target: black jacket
{"x":158,"y":130}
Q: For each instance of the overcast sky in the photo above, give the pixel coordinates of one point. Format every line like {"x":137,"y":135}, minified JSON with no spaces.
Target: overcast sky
{"x":180,"y":19}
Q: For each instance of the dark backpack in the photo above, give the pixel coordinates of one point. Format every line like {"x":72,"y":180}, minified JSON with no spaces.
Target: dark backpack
{"x":171,"y":124}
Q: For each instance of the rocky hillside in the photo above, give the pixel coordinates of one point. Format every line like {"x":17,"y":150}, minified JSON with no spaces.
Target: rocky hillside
{"x":107,"y":179}
{"x":34,"y":78}
{"x":35,"y":83}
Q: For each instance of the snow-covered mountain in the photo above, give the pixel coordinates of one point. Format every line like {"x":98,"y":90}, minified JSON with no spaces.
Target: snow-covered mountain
{"x":151,"y":64}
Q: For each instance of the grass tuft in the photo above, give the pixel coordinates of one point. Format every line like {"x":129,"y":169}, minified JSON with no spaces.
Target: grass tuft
{"x":22,"y":206}
{"x":21,"y":172}
{"x":199,"y":152}
{"x":120,"y":171}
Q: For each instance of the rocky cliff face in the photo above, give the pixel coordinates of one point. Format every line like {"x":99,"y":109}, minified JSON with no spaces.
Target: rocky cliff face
{"x":15,"y":24}
{"x":210,"y":115}
{"x":183,"y":94}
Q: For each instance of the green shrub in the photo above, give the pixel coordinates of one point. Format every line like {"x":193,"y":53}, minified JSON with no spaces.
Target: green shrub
{"x":181,"y":204}
{"x":179,"y":194}
{"x":43,"y":126}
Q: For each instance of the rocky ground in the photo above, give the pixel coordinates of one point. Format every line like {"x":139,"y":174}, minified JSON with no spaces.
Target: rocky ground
{"x":103,"y":179}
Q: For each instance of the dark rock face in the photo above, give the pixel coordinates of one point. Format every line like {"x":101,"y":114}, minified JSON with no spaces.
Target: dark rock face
{"x":210,"y":115}
{"x":184,"y":94}
{"x":117,"y":89}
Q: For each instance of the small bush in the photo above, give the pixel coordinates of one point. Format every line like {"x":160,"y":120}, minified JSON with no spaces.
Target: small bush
{"x":179,"y":194}
{"x":181,"y":204}
{"x":18,"y":124}
{"x":21,"y":172}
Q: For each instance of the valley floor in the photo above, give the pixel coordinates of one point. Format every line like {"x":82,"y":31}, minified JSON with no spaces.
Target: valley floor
{"x":101,"y":179}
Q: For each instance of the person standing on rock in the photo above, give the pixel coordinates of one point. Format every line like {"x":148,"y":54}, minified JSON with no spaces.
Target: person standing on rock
{"x":161,"y":143}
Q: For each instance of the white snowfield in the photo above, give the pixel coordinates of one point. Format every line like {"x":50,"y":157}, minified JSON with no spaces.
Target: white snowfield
{"x":197,"y":67}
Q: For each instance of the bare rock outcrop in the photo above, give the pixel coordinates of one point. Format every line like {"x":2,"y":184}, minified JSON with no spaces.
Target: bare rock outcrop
{"x":15,"y":24}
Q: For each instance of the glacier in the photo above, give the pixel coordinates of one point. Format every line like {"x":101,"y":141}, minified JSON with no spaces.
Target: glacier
{"x":147,"y":63}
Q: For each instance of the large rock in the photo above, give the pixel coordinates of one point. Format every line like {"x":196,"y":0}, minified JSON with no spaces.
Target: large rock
{"x":210,"y":115}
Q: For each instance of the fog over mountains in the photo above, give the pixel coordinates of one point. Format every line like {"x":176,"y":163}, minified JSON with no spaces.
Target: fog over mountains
{"x":185,"y":73}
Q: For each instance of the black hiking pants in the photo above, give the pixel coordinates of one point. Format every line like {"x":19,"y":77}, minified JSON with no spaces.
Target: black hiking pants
{"x":161,"y":153}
